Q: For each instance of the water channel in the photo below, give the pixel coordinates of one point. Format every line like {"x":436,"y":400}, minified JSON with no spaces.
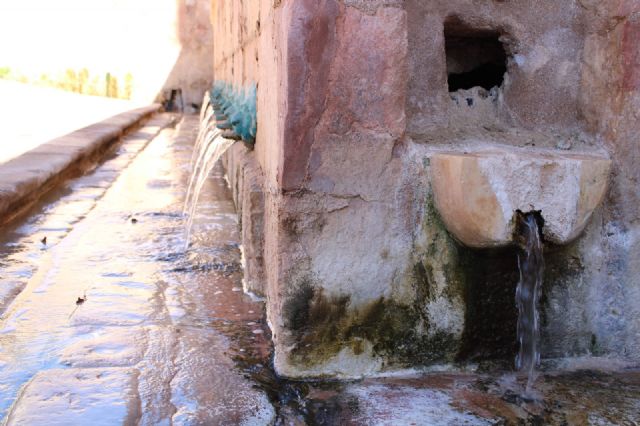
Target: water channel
{"x":166,"y":335}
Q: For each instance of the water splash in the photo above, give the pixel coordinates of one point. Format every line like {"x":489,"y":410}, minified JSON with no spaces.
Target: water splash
{"x":209,"y":147}
{"x":531,"y":266}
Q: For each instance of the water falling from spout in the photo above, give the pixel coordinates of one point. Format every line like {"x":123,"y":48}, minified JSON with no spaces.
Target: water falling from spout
{"x":206,"y":125}
{"x":531,"y":266}
{"x":205,"y":138}
{"x":206,"y":105}
{"x":209,"y":147}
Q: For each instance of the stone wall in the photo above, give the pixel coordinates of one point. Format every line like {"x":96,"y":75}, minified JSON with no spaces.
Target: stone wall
{"x":191,"y":73}
{"x":360,"y":274}
{"x":604,"y":294}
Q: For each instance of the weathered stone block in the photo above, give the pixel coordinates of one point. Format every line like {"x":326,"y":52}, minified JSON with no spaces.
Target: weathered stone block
{"x":246,"y":182}
{"x":253,"y":227}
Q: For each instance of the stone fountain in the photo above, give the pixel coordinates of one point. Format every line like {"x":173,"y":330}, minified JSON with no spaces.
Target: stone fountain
{"x":394,"y":142}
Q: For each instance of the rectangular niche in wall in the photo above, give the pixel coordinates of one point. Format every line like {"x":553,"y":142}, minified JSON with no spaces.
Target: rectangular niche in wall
{"x":475,"y":58}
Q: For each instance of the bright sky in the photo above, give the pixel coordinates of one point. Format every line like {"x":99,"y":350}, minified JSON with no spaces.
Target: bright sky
{"x":117,"y":36}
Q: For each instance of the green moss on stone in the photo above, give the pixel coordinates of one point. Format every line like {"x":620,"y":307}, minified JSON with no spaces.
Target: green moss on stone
{"x":398,"y":328}
{"x":323,"y":325}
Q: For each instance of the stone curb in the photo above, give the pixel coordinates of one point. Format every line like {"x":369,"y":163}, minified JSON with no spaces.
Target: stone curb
{"x":25,"y":178}
{"x":245,"y":179}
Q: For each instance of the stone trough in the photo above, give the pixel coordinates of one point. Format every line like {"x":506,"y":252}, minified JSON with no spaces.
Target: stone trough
{"x":477,"y":193}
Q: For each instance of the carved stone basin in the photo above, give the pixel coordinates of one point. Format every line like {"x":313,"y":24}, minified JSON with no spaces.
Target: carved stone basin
{"x":478,"y":192}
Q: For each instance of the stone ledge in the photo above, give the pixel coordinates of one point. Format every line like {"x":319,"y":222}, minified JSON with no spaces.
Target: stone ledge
{"x":245,"y":180}
{"x":25,"y":178}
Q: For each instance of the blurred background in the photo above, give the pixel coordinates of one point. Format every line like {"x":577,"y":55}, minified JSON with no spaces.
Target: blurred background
{"x":69,"y":63}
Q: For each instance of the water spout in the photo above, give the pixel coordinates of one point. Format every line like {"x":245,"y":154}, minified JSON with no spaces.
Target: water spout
{"x":531,"y":266}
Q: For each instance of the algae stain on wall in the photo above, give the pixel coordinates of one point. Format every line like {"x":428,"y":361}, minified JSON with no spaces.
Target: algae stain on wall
{"x":450,"y":304}
{"x":322,"y":326}
{"x":419,"y":324}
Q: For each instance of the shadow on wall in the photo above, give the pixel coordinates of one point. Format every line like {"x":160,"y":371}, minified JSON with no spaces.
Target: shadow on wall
{"x":192,"y":73}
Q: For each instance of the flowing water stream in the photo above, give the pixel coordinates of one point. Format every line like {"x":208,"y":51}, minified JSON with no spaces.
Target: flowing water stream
{"x":209,"y":147}
{"x":531,"y":266}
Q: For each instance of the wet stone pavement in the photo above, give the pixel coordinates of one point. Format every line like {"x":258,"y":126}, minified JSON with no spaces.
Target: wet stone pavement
{"x":151,"y":344}
{"x":113,"y":322}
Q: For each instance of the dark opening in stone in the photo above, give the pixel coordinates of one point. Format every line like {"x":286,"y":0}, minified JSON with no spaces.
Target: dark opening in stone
{"x":491,"y":315}
{"x":474,"y":57}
